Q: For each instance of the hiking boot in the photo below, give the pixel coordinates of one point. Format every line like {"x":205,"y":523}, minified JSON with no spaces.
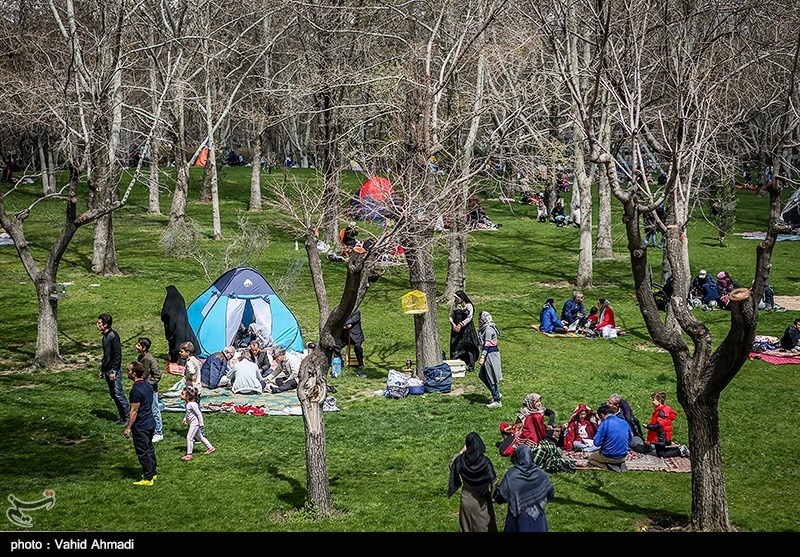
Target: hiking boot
{"x":157,"y":438}
{"x":144,"y":482}
{"x":494,"y":404}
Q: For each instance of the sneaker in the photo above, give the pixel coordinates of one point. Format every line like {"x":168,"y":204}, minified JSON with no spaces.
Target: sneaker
{"x":157,"y":438}
{"x":494,"y":404}
{"x":361,"y":374}
{"x":187,"y":457}
{"x":144,"y":482}
{"x":210,"y":450}
{"x":684,"y":450}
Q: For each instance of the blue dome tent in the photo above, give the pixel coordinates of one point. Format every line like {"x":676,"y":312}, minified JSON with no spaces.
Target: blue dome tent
{"x":240,"y":296}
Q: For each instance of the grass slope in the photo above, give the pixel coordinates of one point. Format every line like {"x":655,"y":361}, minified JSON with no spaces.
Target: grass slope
{"x":388,"y":459}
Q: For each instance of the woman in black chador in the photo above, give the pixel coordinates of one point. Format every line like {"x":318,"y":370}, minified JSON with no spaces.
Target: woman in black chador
{"x":464,"y":341}
{"x":176,"y":323}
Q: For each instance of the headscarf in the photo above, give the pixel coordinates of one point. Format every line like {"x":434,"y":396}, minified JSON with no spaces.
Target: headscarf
{"x":473,"y":466}
{"x":526,"y":487}
{"x":529,"y":406}
{"x":486,"y":320}
{"x":463,"y":296}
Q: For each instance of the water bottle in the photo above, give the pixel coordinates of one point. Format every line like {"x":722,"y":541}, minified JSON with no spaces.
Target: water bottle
{"x":336,"y":367}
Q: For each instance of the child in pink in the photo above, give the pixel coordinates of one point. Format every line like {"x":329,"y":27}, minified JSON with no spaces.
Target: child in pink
{"x":194,"y":417}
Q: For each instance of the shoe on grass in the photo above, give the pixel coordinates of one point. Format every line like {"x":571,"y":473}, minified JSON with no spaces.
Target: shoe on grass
{"x":157,"y":438}
{"x":187,"y":457}
{"x":494,"y":404}
{"x":210,"y":450}
{"x":144,"y":481}
{"x":361,"y":374}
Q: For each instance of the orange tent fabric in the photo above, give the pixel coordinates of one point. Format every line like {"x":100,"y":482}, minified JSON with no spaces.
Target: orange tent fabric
{"x":202,"y":157}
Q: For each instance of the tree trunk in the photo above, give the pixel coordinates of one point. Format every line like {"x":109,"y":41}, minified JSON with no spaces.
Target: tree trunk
{"x":48,"y":181}
{"x":47,"y":353}
{"x":311,"y":392}
{"x":605,"y":241}
{"x":255,"y":174}
{"x":153,"y":202}
{"x":104,"y":254}
{"x":423,"y":278}
{"x":709,"y":497}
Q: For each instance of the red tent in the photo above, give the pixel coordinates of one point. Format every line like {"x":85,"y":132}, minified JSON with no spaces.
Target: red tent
{"x":377,"y":188}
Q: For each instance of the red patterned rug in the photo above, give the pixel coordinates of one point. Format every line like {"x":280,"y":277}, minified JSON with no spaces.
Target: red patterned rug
{"x":642,"y":462}
{"x":776,"y":357}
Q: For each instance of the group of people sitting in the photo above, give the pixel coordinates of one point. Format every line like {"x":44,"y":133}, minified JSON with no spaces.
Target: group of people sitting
{"x":607,"y":434}
{"x":709,"y":293}
{"x":599,"y":321}
{"x":259,"y":367}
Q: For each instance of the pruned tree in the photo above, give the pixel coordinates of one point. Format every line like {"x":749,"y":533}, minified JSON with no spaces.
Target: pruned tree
{"x":666,"y":69}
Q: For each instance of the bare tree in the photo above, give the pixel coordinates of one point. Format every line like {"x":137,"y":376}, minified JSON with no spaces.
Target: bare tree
{"x":666,"y":69}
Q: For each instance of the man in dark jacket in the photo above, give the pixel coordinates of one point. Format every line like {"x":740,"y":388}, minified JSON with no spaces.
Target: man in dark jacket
{"x":354,"y":335}
{"x":791,"y":337}
{"x":574,"y":313}
{"x":623,"y":410}
{"x":110,"y":366}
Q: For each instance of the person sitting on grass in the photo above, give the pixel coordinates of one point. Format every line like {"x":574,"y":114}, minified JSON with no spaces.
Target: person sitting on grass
{"x":579,"y":431}
{"x":285,"y":374}
{"x":573,"y":313}
{"x":244,"y":376}
{"x":790,"y":340}
{"x":659,"y":428}
{"x":611,"y":439}
{"x":550,"y":323}
{"x":725,"y":285}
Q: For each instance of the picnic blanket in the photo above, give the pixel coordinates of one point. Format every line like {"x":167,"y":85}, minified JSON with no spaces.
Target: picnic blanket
{"x":223,"y":400}
{"x":553,"y":335}
{"x":778,"y":357}
{"x":641,"y":462}
{"x":763,"y":236}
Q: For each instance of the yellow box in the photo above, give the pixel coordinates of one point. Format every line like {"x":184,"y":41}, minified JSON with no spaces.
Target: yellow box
{"x":414,"y":302}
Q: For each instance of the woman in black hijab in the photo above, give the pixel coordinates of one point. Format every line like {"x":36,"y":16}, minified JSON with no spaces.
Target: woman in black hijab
{"x":473,"y":472}
{"x":464,"y":342}
{"x":527,"y":489}
{"x":176,"y":323}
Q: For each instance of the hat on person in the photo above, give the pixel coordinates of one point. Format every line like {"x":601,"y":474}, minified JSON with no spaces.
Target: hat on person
{"x":702,"y":273}
{"x":721,"y":275}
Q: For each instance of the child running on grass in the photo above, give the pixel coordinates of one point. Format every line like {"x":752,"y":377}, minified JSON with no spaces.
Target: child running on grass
{"x":194,"y":417}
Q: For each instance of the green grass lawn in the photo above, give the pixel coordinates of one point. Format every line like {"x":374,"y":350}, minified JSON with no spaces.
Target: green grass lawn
{"x":388,"y":459}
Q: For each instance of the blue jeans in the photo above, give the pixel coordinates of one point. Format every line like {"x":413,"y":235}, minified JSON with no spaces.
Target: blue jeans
{"x":157,"y":415}
{"x":493,"y":388}
{"x":117,"y":395}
